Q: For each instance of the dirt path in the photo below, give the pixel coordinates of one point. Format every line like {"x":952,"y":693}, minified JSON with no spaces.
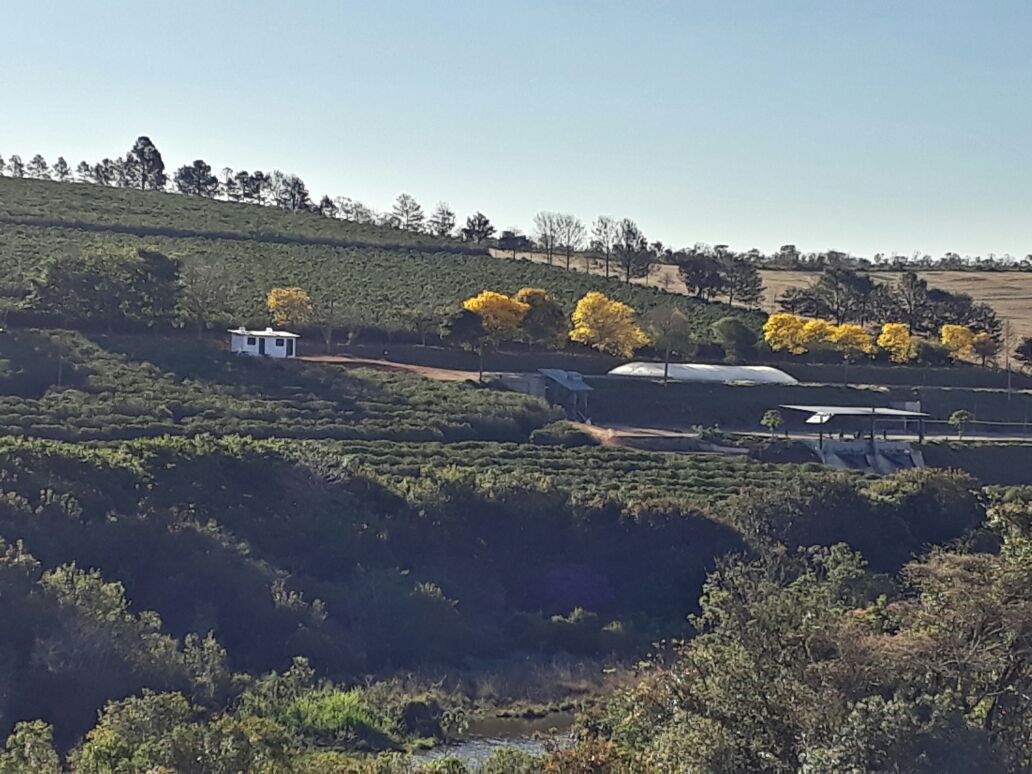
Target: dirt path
{"x":438,"y":374}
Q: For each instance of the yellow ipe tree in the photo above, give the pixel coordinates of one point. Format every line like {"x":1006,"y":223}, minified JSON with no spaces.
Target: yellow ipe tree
{"x":959,"y":339}
{"x":852,"y":341}
{"x":500,"y":314}
{"x":289,"y":306}
{"x":607,"y":325}
{"x":895,"y":339}
{"x":817,"y":332}
{"x":784,"y":331}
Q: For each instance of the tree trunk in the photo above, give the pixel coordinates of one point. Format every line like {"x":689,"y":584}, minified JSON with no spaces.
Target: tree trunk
{"x":666,"y":367}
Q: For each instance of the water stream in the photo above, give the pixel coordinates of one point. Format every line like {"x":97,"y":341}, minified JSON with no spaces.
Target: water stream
{"x":485,"y":735}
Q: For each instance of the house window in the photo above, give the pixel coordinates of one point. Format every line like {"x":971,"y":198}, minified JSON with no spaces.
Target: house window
{"x":279,"y":342}
{"x":250,"y":341}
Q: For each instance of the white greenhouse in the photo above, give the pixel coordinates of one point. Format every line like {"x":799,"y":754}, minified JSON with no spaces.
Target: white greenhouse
{"x":702,"y":372}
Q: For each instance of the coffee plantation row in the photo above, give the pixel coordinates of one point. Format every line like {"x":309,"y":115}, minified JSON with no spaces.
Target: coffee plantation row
{"x":590,"y":474}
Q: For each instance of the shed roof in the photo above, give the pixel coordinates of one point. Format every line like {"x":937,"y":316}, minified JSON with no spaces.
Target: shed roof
{"x":571,"y":380}
{"x":822,"y":414}
{"x":267,"y":333}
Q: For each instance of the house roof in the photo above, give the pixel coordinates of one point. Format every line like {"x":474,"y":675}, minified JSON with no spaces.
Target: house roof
{"x":822,"y":414}
{"x":268,"y":333}
{"x":571,"y":380}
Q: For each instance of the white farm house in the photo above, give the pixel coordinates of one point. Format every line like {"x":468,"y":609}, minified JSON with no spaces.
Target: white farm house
{"x":267,"y":343}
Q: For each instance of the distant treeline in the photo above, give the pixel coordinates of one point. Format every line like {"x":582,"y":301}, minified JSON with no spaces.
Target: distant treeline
{"x":555,"y":234}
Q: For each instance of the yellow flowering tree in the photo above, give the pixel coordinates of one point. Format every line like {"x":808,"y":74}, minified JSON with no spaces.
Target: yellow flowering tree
{"x":958,"y":339}
{"x":784,"y":331}
{"x":500,"y":314}
{"x":852,"y":340}
{"x":289,"y":306}
{"x":895,"y":339}
{"x":607,"y":325}
{"x":817,"y":332}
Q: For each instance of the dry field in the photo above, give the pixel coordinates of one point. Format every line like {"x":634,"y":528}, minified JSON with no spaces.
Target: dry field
{"x":1009,"y":293}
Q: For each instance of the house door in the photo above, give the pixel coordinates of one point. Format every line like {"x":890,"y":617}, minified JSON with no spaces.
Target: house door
{"x":290,"y":348}
{"x":261,"y":346}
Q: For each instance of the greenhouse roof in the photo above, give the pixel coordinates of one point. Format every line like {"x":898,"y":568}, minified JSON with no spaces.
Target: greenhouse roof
{"x":704,"y":372}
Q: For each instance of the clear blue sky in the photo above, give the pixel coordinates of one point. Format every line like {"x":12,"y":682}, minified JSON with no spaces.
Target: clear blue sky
{"x":862,"y":126}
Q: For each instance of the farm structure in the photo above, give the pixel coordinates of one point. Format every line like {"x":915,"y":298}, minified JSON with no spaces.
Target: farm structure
{"x":266,"y":343}
{"x":705,"y":372}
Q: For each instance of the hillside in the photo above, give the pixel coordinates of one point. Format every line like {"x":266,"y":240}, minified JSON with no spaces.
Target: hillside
{"x":67,"y":386}
{"x":363,"y":564}
{"x":223,"y":564}
{"x":127,"y":210}
{"x":375,"y":277}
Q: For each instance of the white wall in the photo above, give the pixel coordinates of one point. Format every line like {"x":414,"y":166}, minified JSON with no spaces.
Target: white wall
{"x":274,"y":347}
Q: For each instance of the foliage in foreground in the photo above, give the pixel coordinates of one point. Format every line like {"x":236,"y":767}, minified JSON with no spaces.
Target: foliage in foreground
{"x":807,"y":662}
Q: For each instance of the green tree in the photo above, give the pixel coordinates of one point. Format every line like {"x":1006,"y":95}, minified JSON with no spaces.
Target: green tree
{"x":478,"y":228}
{"x":631,"y":250}
{"x":545,"y":323}
{"x":197,"y":180}
{"x":959,"y":420}
{"x":407,"y":213}
{"x":62,"y":172}
{"x":466,"y":329}
{"x":1023,"y":352}
{"x":207,"y":286}
{"x":772,"y":420}
{"x":38,"y":168}
{"x":742,"y":281}
{"x":143,"y":166}
{"x":671,"y":332}
{"x":737,"y":339}
{"x":442,"y":221}
{"x":30,"y":748}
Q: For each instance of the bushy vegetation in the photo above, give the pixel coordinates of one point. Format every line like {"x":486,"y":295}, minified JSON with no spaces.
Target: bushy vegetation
{"x":209,"y":557}
{"x":72,"y":387}
{"x":807,"y":661}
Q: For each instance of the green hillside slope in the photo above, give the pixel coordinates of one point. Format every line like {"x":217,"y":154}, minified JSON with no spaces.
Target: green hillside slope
{"x":93,"y":207}
{"x":377,"y":280}
{"x":67,"y":386}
